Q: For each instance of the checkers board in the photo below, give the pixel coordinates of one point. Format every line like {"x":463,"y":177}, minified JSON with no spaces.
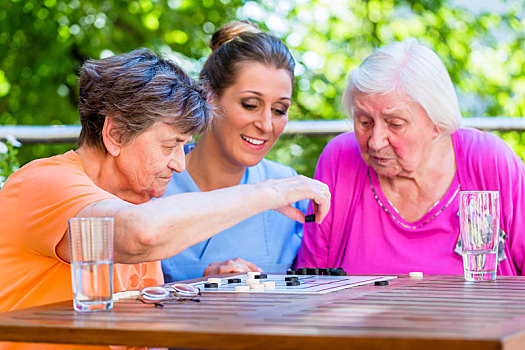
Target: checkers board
{"x":309,"y":284}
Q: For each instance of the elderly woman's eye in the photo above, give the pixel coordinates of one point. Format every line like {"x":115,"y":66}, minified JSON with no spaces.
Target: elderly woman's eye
{"x":364,"y":122}
{"x":396,"y":125}
{"x":169,"y":148}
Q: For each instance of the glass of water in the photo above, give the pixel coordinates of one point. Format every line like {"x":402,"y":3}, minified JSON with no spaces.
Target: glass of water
{"x":91,"y":240}
{"x":479,"y":225}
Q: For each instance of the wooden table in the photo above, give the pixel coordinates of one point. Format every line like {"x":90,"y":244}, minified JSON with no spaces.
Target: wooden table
{"x":436,"y":312}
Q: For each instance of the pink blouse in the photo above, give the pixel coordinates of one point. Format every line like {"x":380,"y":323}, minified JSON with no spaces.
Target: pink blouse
{"x":363,"y":233}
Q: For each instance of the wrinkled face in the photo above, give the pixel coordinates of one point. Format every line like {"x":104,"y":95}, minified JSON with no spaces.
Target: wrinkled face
{"x":394,"y":133}
{"x":255,"y":114}
{"x":147,"y":161}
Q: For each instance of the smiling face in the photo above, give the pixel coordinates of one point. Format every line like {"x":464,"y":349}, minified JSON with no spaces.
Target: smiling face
{"x":147,"y":162}
{"x":394,"y":133}
{"x":255,"y":114}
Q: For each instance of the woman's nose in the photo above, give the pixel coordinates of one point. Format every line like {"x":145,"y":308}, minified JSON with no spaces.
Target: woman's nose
{"x":378,"y":139}
{"x":264,"y":122}
{"x":178,"y":161}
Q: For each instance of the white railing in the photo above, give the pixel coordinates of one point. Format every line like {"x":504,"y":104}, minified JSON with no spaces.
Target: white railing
{"x":69,"y":133}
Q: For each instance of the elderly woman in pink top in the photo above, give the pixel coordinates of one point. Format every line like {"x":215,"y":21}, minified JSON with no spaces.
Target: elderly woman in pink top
{"x":395,"y":180}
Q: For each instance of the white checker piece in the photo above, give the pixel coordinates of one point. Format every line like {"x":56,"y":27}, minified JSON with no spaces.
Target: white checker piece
{"x":269,"y":285}
{"x":257,"y":286}
{"x":215,"y":280}
{"x":242,"y":289}
{"x":310,"y":284}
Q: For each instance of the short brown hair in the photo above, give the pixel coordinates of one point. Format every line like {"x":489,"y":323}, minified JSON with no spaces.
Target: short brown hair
{"x":136,"y":89}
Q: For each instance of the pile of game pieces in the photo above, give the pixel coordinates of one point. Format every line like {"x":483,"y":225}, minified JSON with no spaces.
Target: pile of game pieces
{"x":317,"y":271}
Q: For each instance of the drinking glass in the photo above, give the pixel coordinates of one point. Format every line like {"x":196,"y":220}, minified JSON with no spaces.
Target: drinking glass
{"x":479,"y":225}
{"x":91,"y":240}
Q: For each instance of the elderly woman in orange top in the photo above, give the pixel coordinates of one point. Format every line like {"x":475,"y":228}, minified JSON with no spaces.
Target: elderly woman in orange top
{"x":137,"y":111}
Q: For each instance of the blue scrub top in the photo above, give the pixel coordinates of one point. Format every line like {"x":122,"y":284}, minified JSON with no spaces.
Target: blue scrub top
{"x":269,"y":239}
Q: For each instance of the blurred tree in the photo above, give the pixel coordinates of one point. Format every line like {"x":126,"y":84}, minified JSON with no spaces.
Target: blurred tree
{"x":482,"y":49}
{"x":42,"y":44}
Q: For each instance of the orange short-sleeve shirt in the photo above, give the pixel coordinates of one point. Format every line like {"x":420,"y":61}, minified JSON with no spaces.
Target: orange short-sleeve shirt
{"x":35,"y":204}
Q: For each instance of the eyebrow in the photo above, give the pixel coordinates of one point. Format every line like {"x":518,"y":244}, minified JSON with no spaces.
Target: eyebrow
{"x":174,"y":139}
{"x":259,"y":94}
{"x":357,"y":109}
{"x":393,"y":112}
{"x":389,"y":112}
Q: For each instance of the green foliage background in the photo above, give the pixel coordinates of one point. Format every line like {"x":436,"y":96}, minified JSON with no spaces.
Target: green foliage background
{"x":43,"y":43}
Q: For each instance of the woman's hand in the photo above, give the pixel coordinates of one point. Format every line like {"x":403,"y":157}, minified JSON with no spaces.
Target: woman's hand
{"x":296,"y":188}
{"x":231,"y":265}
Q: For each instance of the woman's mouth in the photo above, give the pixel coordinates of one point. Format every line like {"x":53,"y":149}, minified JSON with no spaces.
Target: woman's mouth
{"x":380,"y":161}
{"x":166,"y":178}
{"x":253,"y":141}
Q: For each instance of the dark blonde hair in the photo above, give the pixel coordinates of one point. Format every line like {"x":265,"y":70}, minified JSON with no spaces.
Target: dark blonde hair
{"x":135,"y":90}
{"x":242,"y":42}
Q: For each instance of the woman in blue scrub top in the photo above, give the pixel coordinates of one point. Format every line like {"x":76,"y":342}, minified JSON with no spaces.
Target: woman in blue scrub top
{"x":250,"y":75}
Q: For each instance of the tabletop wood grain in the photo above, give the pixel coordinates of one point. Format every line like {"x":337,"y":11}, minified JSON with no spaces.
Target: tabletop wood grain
{"x":436,"y":312}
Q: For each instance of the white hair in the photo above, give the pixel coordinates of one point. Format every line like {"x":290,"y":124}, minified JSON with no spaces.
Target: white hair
{"x":413,"y":69}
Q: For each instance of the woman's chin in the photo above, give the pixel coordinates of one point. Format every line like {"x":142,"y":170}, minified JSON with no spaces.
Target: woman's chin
{"x":252,"y":160}
{"x":385,"y":170}
{"x":252,"y":163}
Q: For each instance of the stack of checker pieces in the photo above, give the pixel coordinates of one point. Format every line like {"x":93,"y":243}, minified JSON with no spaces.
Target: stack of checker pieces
{"x":317,"y":271}
{"x":339,"y":271}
